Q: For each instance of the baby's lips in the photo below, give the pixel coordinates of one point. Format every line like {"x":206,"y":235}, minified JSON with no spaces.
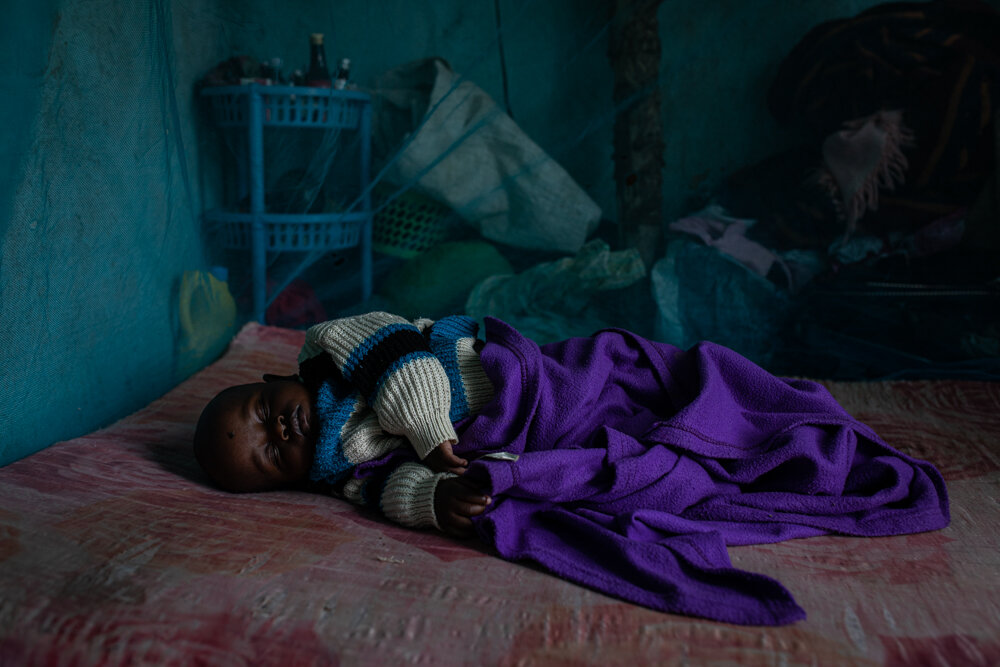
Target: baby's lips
{"x":303,"y":420}
{"x":299,"y":422}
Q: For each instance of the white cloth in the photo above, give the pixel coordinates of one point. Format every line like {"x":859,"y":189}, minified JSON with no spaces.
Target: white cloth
{"x":460,"y":148}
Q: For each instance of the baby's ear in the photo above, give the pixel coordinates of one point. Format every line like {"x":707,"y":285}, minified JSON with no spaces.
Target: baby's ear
{"x":268,"y":377}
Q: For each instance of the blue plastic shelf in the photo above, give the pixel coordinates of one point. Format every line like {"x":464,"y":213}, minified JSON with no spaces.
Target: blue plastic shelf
{"x":256,"y":107}
{"x":287,"y":106}
{"x":284,"y":232}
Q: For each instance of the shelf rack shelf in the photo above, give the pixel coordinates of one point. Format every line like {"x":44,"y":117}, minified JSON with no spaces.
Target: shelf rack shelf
{"x":254,"y":107}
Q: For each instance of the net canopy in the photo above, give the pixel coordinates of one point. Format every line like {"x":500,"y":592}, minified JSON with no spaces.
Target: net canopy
{"x":563,"y":164}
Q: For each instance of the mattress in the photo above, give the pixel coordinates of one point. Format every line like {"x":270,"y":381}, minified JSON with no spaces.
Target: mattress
{"x":114,"y":549}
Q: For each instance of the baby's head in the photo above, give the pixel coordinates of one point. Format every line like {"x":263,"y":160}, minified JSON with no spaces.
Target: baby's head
{"x":257,"y":437}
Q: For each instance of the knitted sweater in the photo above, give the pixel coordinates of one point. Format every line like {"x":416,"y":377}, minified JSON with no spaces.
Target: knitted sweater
{"x":381,"y":383}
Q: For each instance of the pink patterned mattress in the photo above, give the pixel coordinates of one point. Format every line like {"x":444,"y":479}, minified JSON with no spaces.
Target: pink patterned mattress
{"x":113,"y":549}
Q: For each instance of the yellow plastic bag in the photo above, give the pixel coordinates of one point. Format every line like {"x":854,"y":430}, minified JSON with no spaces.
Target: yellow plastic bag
{"x":207,"y":315}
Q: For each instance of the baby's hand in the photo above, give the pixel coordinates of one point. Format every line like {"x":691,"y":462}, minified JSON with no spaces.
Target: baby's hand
{"x":455,"y":501}
{"x":442,"y":459}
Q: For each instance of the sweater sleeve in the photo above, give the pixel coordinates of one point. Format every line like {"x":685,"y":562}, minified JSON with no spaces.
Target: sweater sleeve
{"x":389,"y":361}
{"x":406,"y":496}
{"x":364,"y":440}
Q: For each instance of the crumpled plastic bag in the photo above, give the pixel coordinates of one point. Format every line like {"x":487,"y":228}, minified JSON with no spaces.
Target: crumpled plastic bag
{"x":467,"y":153}
{"x":702,"y":294}
{"x":206,"y":314}
{"x":557,"y":300}
{"x":728,"y":234}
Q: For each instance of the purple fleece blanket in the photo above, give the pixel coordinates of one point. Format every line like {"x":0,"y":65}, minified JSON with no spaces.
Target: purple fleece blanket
{"x":639,"y":462}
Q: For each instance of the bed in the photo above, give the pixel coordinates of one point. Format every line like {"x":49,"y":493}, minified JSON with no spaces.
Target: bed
{"x":113,"y":549}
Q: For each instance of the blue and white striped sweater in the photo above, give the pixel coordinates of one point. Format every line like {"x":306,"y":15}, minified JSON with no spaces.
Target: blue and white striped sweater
{"x":444,"y":340}
{"x":330,"y":464}
{"x":396,"y":384}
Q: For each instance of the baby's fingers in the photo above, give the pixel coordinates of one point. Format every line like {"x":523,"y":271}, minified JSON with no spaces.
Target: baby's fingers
{"x":456,"y":524}
{"x":468,"y":507}
{"x":470,"y":491}
{"x":452,"y":459}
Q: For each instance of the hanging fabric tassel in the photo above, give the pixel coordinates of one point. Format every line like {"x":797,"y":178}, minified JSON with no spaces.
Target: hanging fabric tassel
{"x":861,"y":159}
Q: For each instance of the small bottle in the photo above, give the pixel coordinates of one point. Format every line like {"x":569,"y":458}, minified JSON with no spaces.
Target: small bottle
{"x":265,"y":75}
{"x":318,"y":75}
{"x":276,"y":66}
{"x":343,"y":74}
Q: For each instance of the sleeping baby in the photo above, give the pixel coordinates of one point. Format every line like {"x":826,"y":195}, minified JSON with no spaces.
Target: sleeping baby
{"x":367,"y":385}
{"x":620,"y":463}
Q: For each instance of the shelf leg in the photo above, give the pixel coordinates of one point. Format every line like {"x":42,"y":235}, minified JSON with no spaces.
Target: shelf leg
{"x":258,"y":240}
{"x":366,"y":203}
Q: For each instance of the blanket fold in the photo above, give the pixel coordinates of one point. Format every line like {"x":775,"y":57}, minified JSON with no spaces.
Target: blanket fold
{"x":640,"y":462}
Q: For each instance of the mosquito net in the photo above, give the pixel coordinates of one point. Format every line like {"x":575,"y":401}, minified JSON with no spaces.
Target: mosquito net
{"x":772,"y":177}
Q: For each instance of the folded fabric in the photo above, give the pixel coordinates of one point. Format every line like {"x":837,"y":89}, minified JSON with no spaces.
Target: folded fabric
{"x":638,"y":462}
{"x":728,"y":235}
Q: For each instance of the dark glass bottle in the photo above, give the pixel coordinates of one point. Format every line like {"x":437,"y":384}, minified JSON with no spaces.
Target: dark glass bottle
{"x":265,"y":75}
{"x":318,"y":75}
{"x":276,"y":71}
{"x":343,"y":74}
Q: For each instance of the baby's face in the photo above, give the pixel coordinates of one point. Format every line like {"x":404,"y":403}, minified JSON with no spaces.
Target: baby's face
{"x":263,"y":435}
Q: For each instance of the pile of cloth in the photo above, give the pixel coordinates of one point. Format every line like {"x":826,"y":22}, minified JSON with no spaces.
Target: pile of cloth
{"x":894,"y":182}
{"x":898,"y":103}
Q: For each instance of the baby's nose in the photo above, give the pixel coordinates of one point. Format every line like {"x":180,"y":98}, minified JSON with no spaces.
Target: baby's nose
{"x":281,"y":427}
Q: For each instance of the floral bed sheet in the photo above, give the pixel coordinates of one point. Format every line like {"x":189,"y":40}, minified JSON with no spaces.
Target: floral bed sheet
{"x":115,"y":550}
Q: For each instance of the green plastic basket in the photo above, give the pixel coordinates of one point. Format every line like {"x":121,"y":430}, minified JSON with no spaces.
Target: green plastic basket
{"x":409,"y":224}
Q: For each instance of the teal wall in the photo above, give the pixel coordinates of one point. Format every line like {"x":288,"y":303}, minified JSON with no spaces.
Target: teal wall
{"x":106,"y":167}
{"x":96,"y":221}
{"x":718,"y":61}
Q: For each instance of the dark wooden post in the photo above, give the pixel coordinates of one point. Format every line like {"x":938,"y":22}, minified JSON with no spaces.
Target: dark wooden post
{"x":634,"y":51}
